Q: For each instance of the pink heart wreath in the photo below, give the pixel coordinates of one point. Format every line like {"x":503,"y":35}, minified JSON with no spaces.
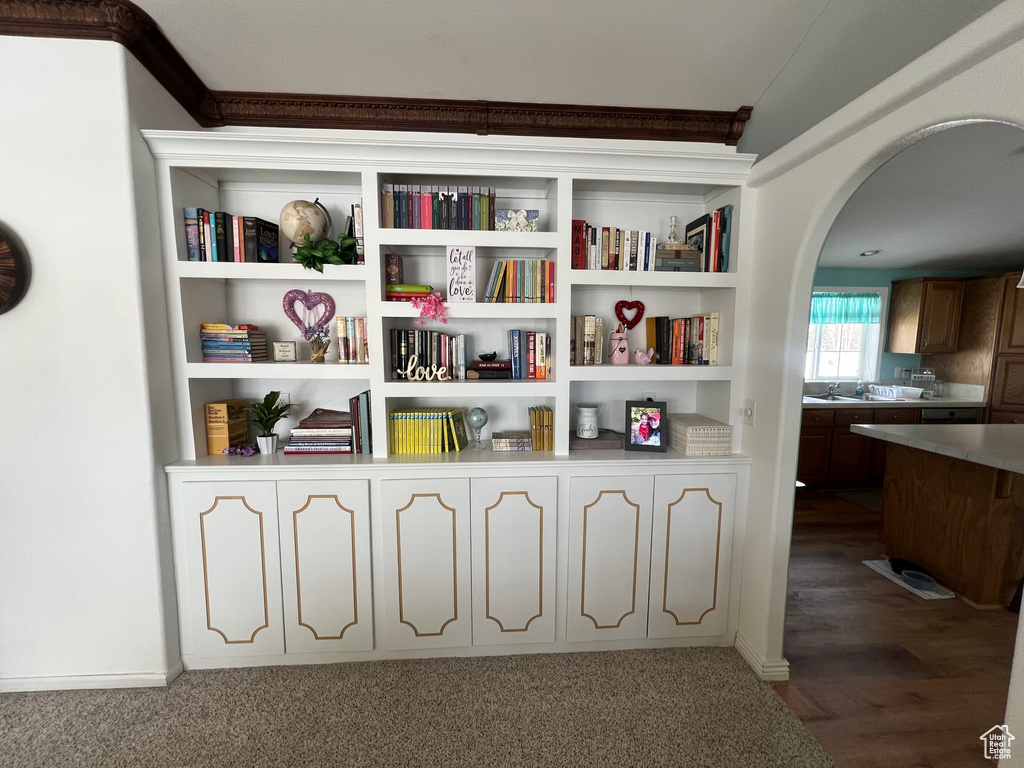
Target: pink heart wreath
{"x":310,"y":300}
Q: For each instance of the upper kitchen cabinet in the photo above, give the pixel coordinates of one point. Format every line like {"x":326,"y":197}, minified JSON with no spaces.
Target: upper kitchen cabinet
{"x":924,"y":315}
{"x":1011,"y":334}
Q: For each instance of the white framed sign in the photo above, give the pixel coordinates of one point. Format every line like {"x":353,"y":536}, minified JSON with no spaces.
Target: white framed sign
{"x":461,"y":273}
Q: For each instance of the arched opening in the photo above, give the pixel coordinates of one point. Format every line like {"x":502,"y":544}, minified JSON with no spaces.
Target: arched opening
{"x":866,"y":655}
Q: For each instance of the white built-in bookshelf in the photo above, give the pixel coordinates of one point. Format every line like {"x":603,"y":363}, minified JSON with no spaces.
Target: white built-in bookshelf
{"x":633,"y":185}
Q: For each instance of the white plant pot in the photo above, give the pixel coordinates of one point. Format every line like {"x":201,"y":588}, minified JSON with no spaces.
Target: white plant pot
{"x":268,"y":445}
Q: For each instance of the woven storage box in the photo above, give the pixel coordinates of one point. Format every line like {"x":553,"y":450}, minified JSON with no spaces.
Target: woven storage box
{"x":694,"y":435}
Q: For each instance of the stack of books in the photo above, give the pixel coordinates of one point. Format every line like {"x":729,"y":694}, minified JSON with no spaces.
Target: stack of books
{"x":226,"y":426}
{"x":440,"y":356}
{"x":414,"y":206}
{"x":678,"y":257}
{"x":406,"y":291}
{"x":323,"y":431}
{"x":353,"y":348}
{"x":586,"y":340}
{"x":220,"y":236}
{"x":514,"y":440}
{"x":521,"y":281}
{"x":362,"y":433}
{"x":427,"y":430}
{"x":489,"y":369}
{"x":225,"y":343}
{"x":542,"y":428}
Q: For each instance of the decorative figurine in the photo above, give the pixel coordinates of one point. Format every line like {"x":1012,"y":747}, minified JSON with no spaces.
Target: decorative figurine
{"x":643,"y":358}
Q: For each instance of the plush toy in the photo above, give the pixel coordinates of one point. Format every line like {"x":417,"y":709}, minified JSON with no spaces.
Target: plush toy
{"x":643,"y":358}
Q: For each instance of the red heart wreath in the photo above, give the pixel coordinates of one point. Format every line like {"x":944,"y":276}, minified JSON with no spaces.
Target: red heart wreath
{"x":622,"y":306}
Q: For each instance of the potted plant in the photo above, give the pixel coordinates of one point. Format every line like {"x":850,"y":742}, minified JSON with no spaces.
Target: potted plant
{"x":313,"y":255}
{"x":319,"y":342}
{"x":265,"y":416}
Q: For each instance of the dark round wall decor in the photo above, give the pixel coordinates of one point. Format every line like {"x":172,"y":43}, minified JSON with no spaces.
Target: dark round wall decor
{"x":12,"y":274}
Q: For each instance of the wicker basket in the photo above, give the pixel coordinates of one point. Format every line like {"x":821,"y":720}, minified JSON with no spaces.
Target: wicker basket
{"x":694,"y":435}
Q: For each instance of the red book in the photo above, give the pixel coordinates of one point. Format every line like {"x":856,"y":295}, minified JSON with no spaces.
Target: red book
{"x":531,"y":355}
{"x":551,"y":280}
{"x":579,"y":245}
{"x":491,"y":365}
{"x":426,"y":210}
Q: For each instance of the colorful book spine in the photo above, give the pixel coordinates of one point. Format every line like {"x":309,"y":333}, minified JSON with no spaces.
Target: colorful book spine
{"x":192,"y":234}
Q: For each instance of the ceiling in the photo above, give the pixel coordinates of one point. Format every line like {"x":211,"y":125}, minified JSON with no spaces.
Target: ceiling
{"x":942,"y":203}
{"x":952,"y":201}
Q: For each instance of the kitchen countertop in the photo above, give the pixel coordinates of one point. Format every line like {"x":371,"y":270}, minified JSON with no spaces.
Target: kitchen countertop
{"x":1000,"y":446}
{"x":935,"y":402}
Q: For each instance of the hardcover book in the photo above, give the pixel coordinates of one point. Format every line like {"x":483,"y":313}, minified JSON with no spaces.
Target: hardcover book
{"x":266,"y":242}
{"x":192,"y":234}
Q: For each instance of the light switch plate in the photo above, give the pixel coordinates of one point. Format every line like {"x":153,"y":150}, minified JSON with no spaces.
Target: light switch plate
{"x":748,"y":412}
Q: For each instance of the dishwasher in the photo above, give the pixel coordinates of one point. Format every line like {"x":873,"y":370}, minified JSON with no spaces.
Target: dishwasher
{"x":950,"y":415}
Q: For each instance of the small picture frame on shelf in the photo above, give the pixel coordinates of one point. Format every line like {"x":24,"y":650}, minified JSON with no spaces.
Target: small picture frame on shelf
{"x":697,"y":233}
{"x":646,"y":426}
{"x":284,"y":352}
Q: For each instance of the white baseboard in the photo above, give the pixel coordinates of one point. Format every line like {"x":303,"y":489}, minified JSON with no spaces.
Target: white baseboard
{"x":78,"y":682}
{"x":177,"y":668}
{"x":777,"y":669}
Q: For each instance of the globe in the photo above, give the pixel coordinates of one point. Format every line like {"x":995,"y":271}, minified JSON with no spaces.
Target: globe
{"x":301,"y":217}
{"x":476,"y":418}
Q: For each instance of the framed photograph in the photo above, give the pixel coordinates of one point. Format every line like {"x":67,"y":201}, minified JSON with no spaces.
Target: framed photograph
{"x":696,"y":233}
{"x":284,"y":351}
{"x":646,"y":425}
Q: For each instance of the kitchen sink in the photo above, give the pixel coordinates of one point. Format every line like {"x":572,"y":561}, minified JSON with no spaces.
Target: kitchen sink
{"x":855,"y":398}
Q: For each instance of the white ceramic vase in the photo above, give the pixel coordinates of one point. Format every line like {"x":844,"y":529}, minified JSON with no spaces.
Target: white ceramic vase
{"x":268,"y":445}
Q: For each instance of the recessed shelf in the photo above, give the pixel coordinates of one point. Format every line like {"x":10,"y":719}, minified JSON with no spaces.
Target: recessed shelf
{"x":653,"y":372}
{"x":477,"y":237}
{"x":217,"y":270}
{"x":654,"y":279}
{"x":471,"y":387}
{"x":498,"y":311}
{"x":297,"y":370}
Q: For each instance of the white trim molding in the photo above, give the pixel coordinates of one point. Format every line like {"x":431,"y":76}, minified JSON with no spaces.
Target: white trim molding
{"x":775,"y":670}
{"x":82,"y":682}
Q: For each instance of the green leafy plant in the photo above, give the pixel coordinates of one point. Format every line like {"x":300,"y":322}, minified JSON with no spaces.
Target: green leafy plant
{"x":264,"y":416}
{"x":314,"y":255}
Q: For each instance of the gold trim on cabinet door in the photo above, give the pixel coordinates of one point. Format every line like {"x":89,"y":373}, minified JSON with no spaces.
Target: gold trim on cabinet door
{"x":487,"y":560}
{"x":455,"y":566}
{"x":636,"y":550}
{"x":298,"y":578}
{"x":718,"y":552}
{"x":206,"y":578}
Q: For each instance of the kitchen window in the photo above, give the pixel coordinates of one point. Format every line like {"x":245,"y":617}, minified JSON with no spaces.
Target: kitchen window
{"x":844,"y":337}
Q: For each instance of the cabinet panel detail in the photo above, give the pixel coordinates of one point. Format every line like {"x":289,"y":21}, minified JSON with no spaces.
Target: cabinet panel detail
{"x":611,"y":533}
{"x":325,"y":556}
{"x":427,"y":573}
{"x":513,"y":528}
{"x":690,"y":554}
{"x":326,"y":535}
{"x":234,"y":553}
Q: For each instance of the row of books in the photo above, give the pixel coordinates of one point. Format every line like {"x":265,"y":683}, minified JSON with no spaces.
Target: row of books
{"x":612,"y":248}
{"x":225,"y":343}
{"x":530,"y":355}
{"x":711,"y":234}
{"x":220,"y":236}
{"x":586,"y":340}
{"x":422,"y":355}
{"x":426,"y":430}
{"x":353,"y":347}
{"x":684,"y":340}
{"x":521,"y":281}
{"x":542,"y":428}
{"x":323,"y":431}
{"x":412,"y":206}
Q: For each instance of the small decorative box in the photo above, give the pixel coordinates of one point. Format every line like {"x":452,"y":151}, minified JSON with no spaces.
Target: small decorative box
{"x":696,"y":435}
{"x":516,"y":220}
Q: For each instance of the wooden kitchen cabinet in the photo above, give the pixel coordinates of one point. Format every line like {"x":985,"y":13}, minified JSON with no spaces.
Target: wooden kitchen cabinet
{"x":924,"y":315}
{"x":1005,"y":417}
{"x":1011,"y":332}
{"x":851,"y":453}
{"x":876,"y":464}
{"x":815,"y":450}
{"x":1008,"y":383}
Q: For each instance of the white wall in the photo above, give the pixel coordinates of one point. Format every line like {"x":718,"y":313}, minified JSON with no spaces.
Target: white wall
{"x":976,"y":74}
{"x":83,"y":598}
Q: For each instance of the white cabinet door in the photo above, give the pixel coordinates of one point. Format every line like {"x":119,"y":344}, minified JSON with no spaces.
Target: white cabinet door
{"x":514,"y":525}
{"x":325,"y":565}
{"x":609,"y":557}
{"x":426,"y":568}
{"x":690,"y":554}
{"x":233,"y":568}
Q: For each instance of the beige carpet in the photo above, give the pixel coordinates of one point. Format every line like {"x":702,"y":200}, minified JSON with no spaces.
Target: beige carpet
{"x":679,"y":707}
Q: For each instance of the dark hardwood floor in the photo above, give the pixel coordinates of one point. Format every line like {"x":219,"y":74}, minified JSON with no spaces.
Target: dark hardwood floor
{"x":880,"y":676}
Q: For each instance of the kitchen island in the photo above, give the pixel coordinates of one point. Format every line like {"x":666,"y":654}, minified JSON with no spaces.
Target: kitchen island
{"x":953,"y":501}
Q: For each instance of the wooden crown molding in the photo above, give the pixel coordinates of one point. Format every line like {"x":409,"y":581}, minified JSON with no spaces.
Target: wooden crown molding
{"x":123,"y":22}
